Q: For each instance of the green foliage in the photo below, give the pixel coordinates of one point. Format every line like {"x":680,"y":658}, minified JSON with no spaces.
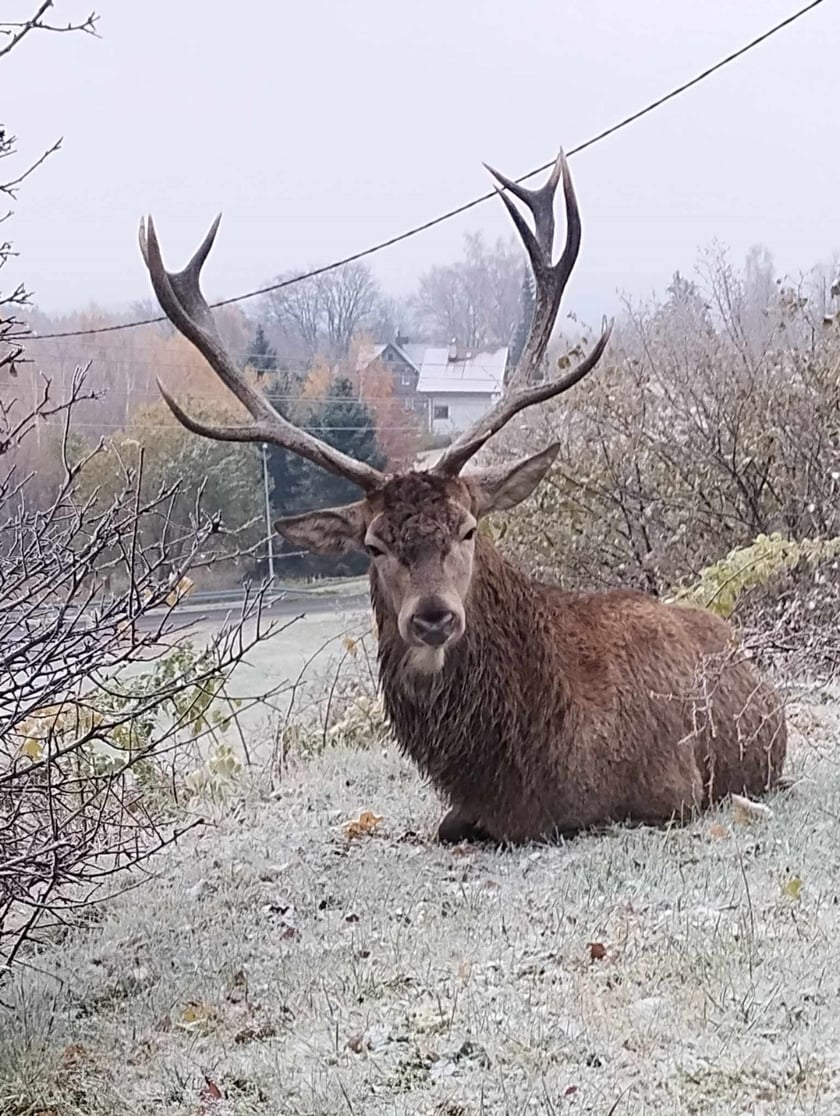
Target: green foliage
{"x":120,"y":727}
{"x":342,"y":420}
{"x":262,"y":356}
{"x":721,"y":585}
{"x":223,"y":479}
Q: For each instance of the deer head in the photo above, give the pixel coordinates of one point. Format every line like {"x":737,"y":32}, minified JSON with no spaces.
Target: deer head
{"x":418,"y":528}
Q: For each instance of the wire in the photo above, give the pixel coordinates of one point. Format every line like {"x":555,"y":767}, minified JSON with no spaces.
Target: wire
{"x":140,"y":427}
{"x":632,"y":118}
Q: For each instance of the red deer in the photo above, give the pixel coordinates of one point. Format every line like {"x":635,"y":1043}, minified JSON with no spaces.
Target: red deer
{"x":533,"y":711}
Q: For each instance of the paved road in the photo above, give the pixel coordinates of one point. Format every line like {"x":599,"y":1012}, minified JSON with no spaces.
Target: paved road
{"x":300,"y":660}
{"x":215,"y":612}
{"x":296,"y":663}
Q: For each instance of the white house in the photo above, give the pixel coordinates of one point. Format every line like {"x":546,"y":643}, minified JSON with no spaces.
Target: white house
{"x":459,"y":386}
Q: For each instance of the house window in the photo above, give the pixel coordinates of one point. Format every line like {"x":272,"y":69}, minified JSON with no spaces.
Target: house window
{"x":405,"y":379}
{"x":441,"y":411}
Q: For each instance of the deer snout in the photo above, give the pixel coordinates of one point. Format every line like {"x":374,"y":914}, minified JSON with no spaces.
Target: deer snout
{"x":433,"y":624}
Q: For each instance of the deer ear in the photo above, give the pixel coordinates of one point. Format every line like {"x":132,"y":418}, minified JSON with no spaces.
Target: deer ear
{"x":504,"y":486}
{"x":330,"y":531}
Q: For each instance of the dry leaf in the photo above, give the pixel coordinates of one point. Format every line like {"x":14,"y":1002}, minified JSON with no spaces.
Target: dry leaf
{"x":211,"y":1090}
{"x":597,"y":951}
{"x":197,"y":1017}
{"x":357,"y":1044}
{"x":792,"y":888}
{"x":349,"y":644}
{"x":462,"y":850}
{"x":209,"y":1097}
{"x":31,"y":748}
{"x":179,"y":591}
{"x":254,"y":1032}
{"x":719,"y":832}
{"x":362,"y":826}
{"x":747,"y":811}
{"x":74,"y":1054}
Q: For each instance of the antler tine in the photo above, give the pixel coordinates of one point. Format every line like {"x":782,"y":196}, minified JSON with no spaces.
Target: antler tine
{"x":550,"y":281}
{"x":460,"y":452}
{"x":539,"y":201}
{"x":180,"y":297}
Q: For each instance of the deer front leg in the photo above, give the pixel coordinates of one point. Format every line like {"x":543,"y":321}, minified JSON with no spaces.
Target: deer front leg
{"x":456,"y":827}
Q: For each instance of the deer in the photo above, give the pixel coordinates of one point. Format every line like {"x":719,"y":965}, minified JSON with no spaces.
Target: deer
{"x":535,"y":711}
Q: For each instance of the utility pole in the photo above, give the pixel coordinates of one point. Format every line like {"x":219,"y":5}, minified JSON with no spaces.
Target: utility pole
{"x":269,"y":530}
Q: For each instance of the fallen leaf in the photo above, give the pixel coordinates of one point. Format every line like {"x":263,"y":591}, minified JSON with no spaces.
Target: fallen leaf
{"x":357,"y":1044}
{"x":597,"y":951}
{"x":363,"y":826}
{"x":196,"y":1017}
{"x":74,"y":1054}
{"x":211,"y":1090}
{"x":570,"y":1090}
{"x":719,"y":832}
{"x":793,"y":888}
{"x":237,"y":990}
{"x":462,"y":850}
{"x":254,"y":1032}
{"x":209,"y":1096}
{"x":747,"y":811}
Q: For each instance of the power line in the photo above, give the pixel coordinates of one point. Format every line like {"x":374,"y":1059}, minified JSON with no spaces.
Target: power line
{"x":132,"y":429}
{"x":632,"y":118}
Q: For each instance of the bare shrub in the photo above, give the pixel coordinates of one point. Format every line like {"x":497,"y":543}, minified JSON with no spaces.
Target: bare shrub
{"x":716,"y":421}
{"x":98,"y":692}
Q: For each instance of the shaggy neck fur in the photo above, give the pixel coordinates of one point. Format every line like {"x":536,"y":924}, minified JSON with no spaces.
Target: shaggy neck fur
{"x":476,"y":725}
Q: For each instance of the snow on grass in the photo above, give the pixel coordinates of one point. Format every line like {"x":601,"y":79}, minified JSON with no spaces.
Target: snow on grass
{"x":276,"y":966}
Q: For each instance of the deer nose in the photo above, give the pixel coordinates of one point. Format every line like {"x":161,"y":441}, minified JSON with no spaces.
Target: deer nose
{"x":433,"y":626}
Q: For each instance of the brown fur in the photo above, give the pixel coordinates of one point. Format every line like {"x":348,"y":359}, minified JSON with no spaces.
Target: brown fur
{"x":534,"y":711}
{"x":557,"y":711}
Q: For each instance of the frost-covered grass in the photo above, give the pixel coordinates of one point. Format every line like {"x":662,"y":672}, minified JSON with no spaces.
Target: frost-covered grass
{"x":275,"y":966}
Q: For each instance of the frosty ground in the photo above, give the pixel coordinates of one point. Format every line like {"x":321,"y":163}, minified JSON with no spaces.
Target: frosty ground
{"x":276,"y":965}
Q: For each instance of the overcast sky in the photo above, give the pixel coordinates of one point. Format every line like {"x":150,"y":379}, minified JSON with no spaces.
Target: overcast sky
{"x":320,"y":126}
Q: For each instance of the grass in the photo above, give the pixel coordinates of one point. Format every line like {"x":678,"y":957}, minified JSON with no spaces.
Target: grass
{"x":276,"y":966}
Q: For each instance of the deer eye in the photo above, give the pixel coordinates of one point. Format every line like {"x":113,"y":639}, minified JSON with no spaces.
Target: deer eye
{"x":374,"y":550}
{"x":468,"y":535}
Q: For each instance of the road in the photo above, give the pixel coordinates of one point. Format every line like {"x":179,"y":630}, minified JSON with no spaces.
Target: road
{"x":299,"y":661}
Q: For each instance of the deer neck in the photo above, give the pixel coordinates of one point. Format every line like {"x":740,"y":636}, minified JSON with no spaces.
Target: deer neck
{"x":479,"y":727}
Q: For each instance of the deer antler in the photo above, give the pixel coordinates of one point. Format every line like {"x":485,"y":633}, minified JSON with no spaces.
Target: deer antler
{"x":550,"y":281}
{"x":180,"y":297}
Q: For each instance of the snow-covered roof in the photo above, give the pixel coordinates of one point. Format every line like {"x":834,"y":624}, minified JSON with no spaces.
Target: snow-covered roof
{"x":476,"y":374}
{"x":411,"y":354}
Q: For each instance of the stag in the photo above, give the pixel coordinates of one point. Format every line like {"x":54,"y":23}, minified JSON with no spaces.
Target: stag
{"x":533,"y":711}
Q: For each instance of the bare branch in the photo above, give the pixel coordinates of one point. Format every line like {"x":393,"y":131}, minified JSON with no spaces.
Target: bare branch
{"x":15,"y":33}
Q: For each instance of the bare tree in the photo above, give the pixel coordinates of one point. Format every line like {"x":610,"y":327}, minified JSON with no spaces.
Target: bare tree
{"x":477,"y":300}
{"x":325,"y":312}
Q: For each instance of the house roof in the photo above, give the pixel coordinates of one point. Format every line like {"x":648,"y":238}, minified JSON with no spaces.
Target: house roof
{"x":411,"y":354}
{"x":477,"y":374}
